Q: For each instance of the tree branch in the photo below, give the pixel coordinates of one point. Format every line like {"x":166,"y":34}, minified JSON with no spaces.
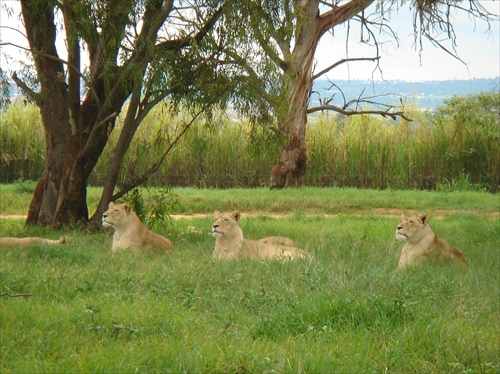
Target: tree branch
{"x":105,"y":120}
{"x":383,"y":113}
{"x":153,"y":169}
{"x":12,"y":29}
{"x":340,"y":14}
{"x":342,"y":61}
{"x":175,"y":44}
{"x":47,"y":56}
{"x":32,"y":95}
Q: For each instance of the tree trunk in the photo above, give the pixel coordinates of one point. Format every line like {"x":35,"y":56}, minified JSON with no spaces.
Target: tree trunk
{"x":128,"y":131}
{"x":291,"y":168}
{"x":53,"y":103}
{"x":290,"y":171}
{"x":76,"y":132}
{"x":73,"y":141}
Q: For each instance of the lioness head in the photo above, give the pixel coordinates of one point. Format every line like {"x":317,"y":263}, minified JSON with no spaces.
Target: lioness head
{"x":225,"y":223}
{"x":116,"y":215}
{"x":411,"y":226}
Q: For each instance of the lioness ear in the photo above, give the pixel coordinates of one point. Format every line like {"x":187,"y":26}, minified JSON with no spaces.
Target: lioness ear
{"x":423,"y":218}
{"x":127,"y":207}
{"x":111,"y":204}
{"x":216,"y":214}
{"x":236,"y":215}
{"x":403,"y":216}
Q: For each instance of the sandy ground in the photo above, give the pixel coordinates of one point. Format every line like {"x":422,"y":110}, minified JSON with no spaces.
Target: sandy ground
{"x":375,"y":211}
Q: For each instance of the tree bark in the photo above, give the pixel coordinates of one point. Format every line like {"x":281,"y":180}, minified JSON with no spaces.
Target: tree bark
{"x":291,"y":168}
{"x":53,"y":103}
{"x":76,"y":132}
{"x":290,"y":171}
{"x":74,"y":135}
{"x":129,"y":129}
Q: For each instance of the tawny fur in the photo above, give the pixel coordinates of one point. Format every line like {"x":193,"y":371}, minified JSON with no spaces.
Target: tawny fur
{"x":11,"y":242}
{"x":231,"y":245}
{"x":281,"y":240}
{"x":130,"y":232}
{"x":423,"y":245}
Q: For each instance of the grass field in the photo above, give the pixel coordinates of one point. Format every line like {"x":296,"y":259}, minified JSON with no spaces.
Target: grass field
{"x":348,"y":311}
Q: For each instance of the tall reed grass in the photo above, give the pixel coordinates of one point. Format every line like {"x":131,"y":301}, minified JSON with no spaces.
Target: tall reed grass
{"x":22,"y":142}
{"x":455,"y":147}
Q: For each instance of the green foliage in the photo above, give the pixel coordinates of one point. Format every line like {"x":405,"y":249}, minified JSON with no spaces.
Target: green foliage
{"x":25,"y":186}
{"x":473,"y":123}
{"x":21,"y":142}
{"x":427,"y":153}
{"x":346,"y":311}
{"x":457,"y":147}
{"x":165,"y":201}
{"x":136,"y":201}
{"x":4,"y":90}
{"x":156,"y":208}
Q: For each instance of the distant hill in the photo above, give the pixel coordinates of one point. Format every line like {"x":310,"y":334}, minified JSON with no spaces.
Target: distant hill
{"x":427,"y":95}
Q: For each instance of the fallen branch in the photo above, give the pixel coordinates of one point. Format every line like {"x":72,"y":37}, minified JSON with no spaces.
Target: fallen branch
{"x":16,"y":295}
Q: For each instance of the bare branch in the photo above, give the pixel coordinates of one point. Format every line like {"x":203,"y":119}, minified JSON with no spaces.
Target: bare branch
{"x":105,"y":120}
{"x":13,"y":29}
{"x":383,"y":113}
{"x":435,"y":16}
{"x":32,"y":95}
{"x":343,"y":61}
{"x":47,"y":56}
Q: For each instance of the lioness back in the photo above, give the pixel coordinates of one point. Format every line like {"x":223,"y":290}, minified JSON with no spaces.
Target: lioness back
{"x":268,"y":250}
{"x":230,"y":243}
{"x":130,"y":232}
{"x":154,"y":242}
{"x":448,"y":252}
{"x":423,"y":245}
{"x":281,"y":240}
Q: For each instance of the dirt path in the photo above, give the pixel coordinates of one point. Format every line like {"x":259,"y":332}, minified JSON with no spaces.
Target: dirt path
{"x":390,"y":212}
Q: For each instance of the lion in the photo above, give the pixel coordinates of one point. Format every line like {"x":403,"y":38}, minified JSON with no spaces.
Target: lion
{"x":422,"y":244}
{"x":230,"y":244}
{"x":281,"y":240}
{"x":131,"y":233}
{"x":11,"y":242}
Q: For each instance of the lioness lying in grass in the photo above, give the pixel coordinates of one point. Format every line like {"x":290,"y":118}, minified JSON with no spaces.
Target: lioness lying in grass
{"x":28,"y":242}
{"x":130,"y":232}
{"x":230,"y":244}
{"x":422,"y":244}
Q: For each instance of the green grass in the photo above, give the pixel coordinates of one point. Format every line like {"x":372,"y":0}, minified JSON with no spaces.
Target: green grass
{"x":346,"y":311}
{"x":15,"y":199}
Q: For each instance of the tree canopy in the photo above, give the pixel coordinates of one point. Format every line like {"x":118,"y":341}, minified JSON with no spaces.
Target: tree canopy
{"x":138,"y":53}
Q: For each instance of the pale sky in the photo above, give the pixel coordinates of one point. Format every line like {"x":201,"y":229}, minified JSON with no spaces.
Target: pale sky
{"x":477,"y":47}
